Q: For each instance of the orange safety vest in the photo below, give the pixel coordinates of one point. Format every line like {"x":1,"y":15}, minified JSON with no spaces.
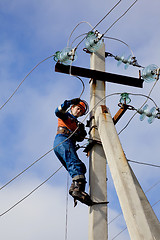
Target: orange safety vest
{"x":69,"y":123}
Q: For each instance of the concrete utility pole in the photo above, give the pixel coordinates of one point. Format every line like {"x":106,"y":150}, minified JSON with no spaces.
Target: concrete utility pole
{"x":97,"y":168}
{"x":140,"y":218}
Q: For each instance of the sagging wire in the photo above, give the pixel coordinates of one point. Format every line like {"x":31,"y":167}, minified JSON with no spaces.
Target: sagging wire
{"x":42,"y":182}
{"x":24,"y":80}
{"x":148,"y":97}
{"x":75,"y":29}
{"x":116,"y":39}
{"x":40,"y":158}
{"x":18,"y":175}
{"x":2,"y":214}
{"x":65,"y":140}
{"x":50,"y":149}
{"x":100,"y":21}
{"x":112,"y":94}
{"x":83,"y":85}
{"x":79,"y":37}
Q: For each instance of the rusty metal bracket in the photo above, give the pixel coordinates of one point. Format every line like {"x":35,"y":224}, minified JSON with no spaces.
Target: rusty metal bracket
{"x":120,"y":113}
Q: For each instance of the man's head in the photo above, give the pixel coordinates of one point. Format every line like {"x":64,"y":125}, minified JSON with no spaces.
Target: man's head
{"x":79,"y":109}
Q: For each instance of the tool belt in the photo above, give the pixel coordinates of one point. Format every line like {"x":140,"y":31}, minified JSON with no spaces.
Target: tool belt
{"x":63,"y":130}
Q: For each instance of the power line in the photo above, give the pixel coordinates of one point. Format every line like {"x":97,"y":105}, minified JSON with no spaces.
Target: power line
{"x":24,"y":80}
{"x":100,"y":21}
{"x":119,"y":233}
{"x":148,"y":97}
{"x":116,"y":39}
{"x":2,"y":214}
{"x":143,"y":163}
{"x":112,"y":94}
{"x":118,"y":18}
{"x":26,"y":169}
{"x":126,"y":227}
{"x":75,"y":29}
{"x":46,"y":152}
{"x":152,"y":186}
{"x":148,"y":190}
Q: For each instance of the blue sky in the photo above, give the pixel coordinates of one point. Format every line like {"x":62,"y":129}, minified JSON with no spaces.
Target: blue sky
{"x":31,"y":31}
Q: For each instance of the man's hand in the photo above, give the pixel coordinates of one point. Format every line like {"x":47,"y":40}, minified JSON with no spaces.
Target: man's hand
{"x":75,"y":101}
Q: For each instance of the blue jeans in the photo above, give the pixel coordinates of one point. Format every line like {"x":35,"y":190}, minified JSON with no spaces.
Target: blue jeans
{"x":67,"y":155}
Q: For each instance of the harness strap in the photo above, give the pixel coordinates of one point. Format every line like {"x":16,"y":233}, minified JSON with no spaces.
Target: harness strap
{"x":63,"y":130}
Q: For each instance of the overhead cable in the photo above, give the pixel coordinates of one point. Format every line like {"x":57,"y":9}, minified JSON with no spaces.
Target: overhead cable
{"x":26,"y":169}
{"x":143,"y":163}
{"x":126,"y":227}
{"x":116,"y":39}
{"x":2,"y":214}
{"x":83,"y":88}
{"x":37,"y":160}
{"x":112,"y":94}
{"x":101,"y":21}
{"x":24,"y":80}
{"x":119,"y":18}
{"x":75,"y":29}
{"x":148,"y":190}
{"x":148,"y":97}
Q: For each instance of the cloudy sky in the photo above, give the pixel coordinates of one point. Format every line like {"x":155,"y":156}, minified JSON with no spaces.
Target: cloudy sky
{"x":31,"y":31}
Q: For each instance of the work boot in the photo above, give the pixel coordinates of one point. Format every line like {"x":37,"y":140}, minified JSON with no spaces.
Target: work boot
{"x":71,"y":188}
{"x":77,"y":191}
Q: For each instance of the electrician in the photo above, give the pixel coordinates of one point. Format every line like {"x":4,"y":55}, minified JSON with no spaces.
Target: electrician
{"x":70,"y":131}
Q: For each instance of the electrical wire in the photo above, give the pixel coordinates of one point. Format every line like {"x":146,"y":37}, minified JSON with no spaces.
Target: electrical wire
{"x":38,"y":159}
{"x":112,"y":94}
{"x":148,"y":97}
{"x":112,"y":38}
{"x":75,"y":29}
{"x":83,"y":85}
{"x":107,"y":14}
{"x":61,"y":142}
{"x":148,"y":190}
{"x":152,"y":186}
{"x":78,"y":37}
{"x":119,"y":233}
{"x":119,"y":18}
{"x":24,"y":80}
{"x":46,"y":152}
{"x":2,"y":214}
{"x":101,"y":21}
{"x":126,"y":227}
{"x":25,"y":169}
{"x":143,"y":163}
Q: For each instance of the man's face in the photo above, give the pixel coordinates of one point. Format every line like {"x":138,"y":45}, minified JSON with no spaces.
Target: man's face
{"x":76,"y":111}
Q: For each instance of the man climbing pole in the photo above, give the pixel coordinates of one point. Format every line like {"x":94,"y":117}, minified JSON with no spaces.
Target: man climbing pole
{"x":70,"y":131}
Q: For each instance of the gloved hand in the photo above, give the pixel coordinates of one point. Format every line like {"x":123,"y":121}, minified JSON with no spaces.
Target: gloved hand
{"x":75,"y":100}
{"x":81,"y":126}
